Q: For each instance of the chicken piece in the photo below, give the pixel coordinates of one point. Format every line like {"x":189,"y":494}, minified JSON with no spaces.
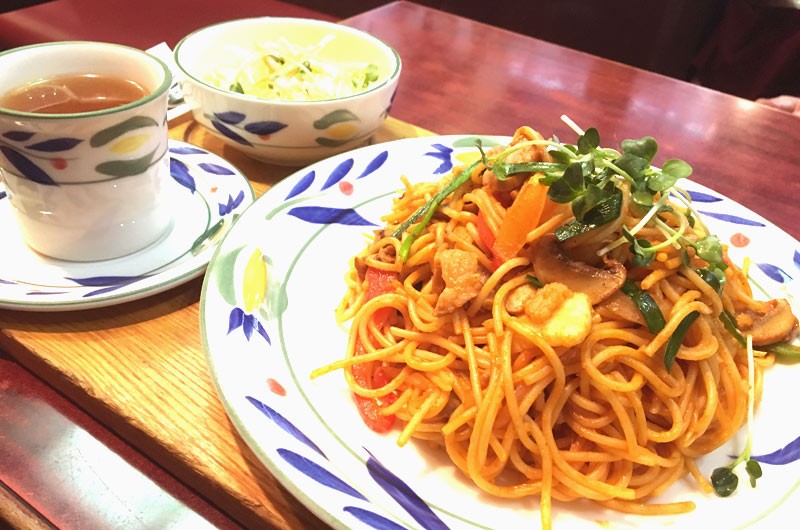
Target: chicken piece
{"x":515,"y":303}
{"x":528,"y":153}
{"x":463,"y":278}
{"x":563,"y":317}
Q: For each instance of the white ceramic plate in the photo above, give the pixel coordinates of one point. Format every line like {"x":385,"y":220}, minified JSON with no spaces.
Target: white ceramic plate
{"x":309,"y":434}
{"x":207,"y":193}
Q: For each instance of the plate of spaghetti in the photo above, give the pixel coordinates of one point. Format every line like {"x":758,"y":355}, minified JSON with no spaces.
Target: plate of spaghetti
{"x":474,"y":332}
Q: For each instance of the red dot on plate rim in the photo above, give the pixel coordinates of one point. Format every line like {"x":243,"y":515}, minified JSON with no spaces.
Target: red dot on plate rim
{"x":346,"y":187}
{"x":739,"y":240}
{"x":276,"y":387}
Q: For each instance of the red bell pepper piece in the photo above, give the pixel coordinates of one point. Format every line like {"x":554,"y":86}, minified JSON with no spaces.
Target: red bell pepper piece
{"x":366,"y":374}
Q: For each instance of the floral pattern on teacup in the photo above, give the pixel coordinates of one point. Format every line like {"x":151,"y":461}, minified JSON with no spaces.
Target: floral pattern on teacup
{"x":31,"y":155}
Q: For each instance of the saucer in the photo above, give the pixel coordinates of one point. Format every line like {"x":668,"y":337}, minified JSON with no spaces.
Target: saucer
{"x":207,"y":194}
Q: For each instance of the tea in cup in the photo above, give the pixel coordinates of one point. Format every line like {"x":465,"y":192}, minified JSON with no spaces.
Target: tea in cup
{"x":83,"y":142}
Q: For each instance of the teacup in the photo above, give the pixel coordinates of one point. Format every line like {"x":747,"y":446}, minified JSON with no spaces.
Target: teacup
{"x":85,"y":184}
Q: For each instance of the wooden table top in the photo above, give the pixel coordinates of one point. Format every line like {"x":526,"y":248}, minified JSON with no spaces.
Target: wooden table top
{"x":139,"y":367}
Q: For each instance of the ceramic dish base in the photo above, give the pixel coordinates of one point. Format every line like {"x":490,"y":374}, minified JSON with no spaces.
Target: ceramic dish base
{"x":206,"y":193}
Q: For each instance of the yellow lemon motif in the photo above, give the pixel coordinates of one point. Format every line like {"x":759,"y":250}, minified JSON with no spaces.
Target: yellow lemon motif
{"x":254,"y":281}
{"x":129,"y":143}
{"x":341,"y":131}
{"x":467,"y":157}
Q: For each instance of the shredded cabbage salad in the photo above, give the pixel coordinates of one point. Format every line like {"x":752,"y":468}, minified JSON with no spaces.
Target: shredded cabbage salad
{"x":285,"y":71}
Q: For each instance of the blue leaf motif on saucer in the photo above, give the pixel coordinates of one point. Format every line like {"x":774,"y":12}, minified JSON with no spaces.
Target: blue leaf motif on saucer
{"x":216,"y":169}
{"x":105,"y":284}
{"x":179,"y":171}
{"x":231,"y":204}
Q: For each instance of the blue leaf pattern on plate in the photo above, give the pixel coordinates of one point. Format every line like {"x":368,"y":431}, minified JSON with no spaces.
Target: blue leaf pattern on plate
{"x":235,"y":319}
{"x":232,"y":204}
{"x":284,"y":424}
{"x":699,"y":196}
{"x":324,"y":215}
{"x":442,"y":153}
{"x":404,"y":495}
{"x":3,"y":194}
{"x":374,"y":164}
{"x":102,"y":281}
{"x":264,"y":127}
{"x":186,"y":150}
{"x":27,"y":168}
{"x":303,"y":184}
{"x":55,"y":145}
{"x":18,"y":136}
{"x":774,"y":272}
{"x":248,"y":323}
{"x":215,"y":169}
{"x":358,"y":514}
{"x":373,"y":519}
{"x":318,"y":473}
{"x":338,"y":173}
{"x":733,"y":219}
{"x":231,"y":117}
{"x":108,"y":289}
{"x":229,"y":133}
{"x":180,"y":172}
{"x":786,"y":455}
{"x":106,"y":283}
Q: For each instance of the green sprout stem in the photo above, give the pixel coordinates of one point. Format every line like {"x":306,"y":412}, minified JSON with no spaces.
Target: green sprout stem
{"x":723,"y":478}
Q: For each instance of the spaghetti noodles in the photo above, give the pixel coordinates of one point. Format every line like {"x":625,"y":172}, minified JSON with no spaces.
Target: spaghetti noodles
{"x":532,"y":351}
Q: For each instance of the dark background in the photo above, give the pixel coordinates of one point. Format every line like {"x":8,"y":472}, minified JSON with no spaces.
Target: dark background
{"x":748,"y":48}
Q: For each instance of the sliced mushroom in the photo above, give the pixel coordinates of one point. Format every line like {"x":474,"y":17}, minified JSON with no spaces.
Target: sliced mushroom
{"x":775,"y":324}
{"x":620,"y":306}
{"x":552,"y":264}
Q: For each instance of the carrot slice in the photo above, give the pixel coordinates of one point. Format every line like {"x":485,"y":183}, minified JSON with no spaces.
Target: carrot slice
{"x":521,"y":217}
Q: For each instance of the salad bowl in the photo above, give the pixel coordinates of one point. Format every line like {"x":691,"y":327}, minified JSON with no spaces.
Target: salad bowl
{"x":288,"y":91}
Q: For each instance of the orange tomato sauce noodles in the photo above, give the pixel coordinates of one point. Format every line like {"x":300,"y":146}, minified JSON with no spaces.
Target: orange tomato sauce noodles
{"x":544,"y":390}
